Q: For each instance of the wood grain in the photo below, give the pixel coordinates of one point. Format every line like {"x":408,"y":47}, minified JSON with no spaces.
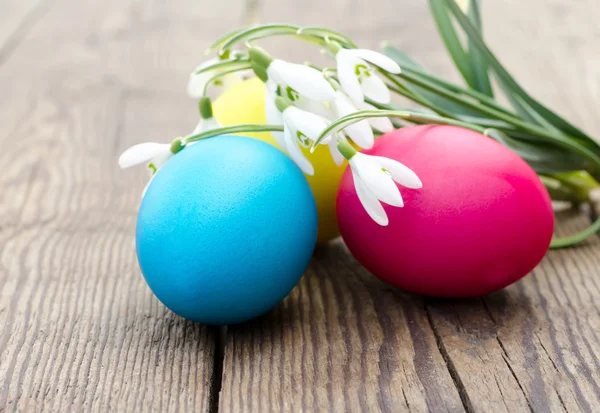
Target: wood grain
{"x":80,"y":329}
{"x":343,"y":341}
{"x":537,"y":339}
{"x":82,"y":81}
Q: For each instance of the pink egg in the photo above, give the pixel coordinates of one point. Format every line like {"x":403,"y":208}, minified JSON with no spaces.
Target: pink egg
{"x":482,"y":220}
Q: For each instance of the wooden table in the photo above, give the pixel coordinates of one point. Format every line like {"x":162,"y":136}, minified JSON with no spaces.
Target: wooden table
{"x":79,"y":329}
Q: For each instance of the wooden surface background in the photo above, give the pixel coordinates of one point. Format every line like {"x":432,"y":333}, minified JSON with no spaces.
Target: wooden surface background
{"x":80,"y":331}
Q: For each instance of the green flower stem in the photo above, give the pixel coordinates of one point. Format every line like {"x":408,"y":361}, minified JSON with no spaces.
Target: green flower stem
{"x":348,"y":120}
{"x":571,"y":240}
{"x":219,"y":75}
{"x":225,"y":65}
{"x":317,"y":35}
{"x":407,"y":115}
{"x":226,"y":130}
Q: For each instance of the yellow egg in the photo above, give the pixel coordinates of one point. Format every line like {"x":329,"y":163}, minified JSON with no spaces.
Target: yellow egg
{"x":245,"y":103}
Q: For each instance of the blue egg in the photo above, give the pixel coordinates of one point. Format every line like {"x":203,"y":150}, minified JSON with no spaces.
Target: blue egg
{"x":226,"y":230}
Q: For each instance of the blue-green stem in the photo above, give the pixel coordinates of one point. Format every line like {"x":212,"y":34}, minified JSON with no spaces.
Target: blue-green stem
{"x":223,"y":65}
{"x":226,"y":130}
{"x":221,"y":74}
{"x":316,"y":35}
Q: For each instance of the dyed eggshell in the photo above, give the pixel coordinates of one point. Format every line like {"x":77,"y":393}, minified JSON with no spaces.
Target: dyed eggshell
{"x":245,"y":103}
{"x":482,"y":220}
{"x":225,"y":230}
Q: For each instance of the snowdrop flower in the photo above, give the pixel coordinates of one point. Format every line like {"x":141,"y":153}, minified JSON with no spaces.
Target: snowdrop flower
{"x":357,"y":77}
{"x":302,"y":79}
{"x":198,"y":82}
{"x":360,"y":132}
{"x":301,"y":128}
{"x":154,"y":155}
{"x":207,"y":120}
{"x":375,"y":179}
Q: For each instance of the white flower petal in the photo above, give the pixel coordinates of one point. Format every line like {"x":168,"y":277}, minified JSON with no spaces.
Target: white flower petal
{"x":314,"y":106}
{"x":292,"y":148}
{"x":378,"y":59}
{"x":197,"y":83}
{"x":346,"y":64}
{"x":378,"y":182}
{"x":271,"y":87}
{"x":374,"y":88}
{"x":342,"y":105}
{"x":158,"y":162}
{"x":141,"y":153}
{"x":206,"y":125}
{"x":147,"y":186}
{"x":370,"y":202}
{"x":360,"y":132}
{"x":399,"y":172}
{"x":307,"y":123}
{"x":228,"y":81}
{"x":381,"y":124}
{"x":303,"y":79}
{"x":337,"y":156}
{"x":272,"y":114}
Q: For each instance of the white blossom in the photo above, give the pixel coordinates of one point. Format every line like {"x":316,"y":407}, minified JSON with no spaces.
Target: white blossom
{"x":375,"y":179}
{"x":357,"y":77}
{"x":301,"y":128}
{"x":197,"y":82}
{"x":305,"y":80}
{"x":155,"y":155}
{"x":360,"y":132}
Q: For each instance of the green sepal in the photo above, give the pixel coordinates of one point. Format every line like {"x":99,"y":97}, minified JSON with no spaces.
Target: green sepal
{"x":346,"y":149}
{"x":205,"y":107}
{"x":177,"y":145}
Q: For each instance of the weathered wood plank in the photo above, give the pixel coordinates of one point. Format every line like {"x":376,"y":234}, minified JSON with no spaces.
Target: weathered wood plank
{"x":80,"y":329}
{"x":344,"y":341}
{"x":17,"y":17}
{"x":533,"y":346}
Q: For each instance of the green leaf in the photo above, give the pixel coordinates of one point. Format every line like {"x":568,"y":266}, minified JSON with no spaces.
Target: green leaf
{"x":506,"y":78}
{"x":411,"y":66}
{"x":527,"y":112}
{"x":400,"y":57}
{"x":543,"y":157}
{"x":479,"y":66}
{"x":450,"y":38}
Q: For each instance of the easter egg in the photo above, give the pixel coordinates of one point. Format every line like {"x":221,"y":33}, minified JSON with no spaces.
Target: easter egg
{"x":225,"y":230}
{"x":245,"y":103}
{"x":481,"y":221}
